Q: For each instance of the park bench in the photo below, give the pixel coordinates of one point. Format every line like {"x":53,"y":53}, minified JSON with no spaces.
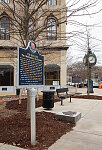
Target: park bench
{"x":62,"y":93}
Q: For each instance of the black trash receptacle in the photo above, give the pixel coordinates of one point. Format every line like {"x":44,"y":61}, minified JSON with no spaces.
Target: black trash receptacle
{"x":17,"y":91}
{"x":48,"y":99}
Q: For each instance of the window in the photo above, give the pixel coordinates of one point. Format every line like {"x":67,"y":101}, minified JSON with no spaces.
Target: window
{"x":4,"y":28}
{"x":31,"y":29}
{"x":51,"y":2}
{"x":52,"y":29}
{"x":6,"y":1}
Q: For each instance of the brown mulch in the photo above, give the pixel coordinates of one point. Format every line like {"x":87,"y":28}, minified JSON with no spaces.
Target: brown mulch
{"x":88,"y":97}
{"x":15,"y":128}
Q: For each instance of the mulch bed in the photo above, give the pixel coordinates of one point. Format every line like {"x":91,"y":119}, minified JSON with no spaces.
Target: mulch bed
{"x":15,"y":128}
{"x":88,"y":97}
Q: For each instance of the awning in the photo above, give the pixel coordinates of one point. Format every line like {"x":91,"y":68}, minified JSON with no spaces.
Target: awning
{"x":52,"y":67}
{"x":6,"y":68}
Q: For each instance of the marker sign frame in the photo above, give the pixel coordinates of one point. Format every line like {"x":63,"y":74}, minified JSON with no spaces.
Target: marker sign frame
{"x":30,"y":67}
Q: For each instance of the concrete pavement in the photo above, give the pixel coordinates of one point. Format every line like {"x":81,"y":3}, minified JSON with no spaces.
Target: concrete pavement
{"x":9,"y":147}
{"x":87,"y":134}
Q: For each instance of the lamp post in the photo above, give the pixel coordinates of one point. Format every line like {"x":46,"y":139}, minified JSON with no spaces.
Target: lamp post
{"x":89,"y":61}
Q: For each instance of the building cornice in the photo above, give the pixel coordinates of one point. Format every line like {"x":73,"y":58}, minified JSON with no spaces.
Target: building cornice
{"x":8,"y":48}
{"x":39,"y":48}
{"x":54,"y":48}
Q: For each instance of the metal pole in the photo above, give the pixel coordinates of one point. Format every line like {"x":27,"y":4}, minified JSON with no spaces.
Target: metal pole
{"x":89,"y":73}
{"x":76,"y":88}
{"x":20,"y":96}
{"x":89,"y":78}
{"x":32,"y":94}
{"x":28,"y":104}
{"x":88,"y":52}
{"x":88,"y":90}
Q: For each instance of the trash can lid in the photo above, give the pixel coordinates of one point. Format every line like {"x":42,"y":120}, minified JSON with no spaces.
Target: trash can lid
{"x":48,"y":91}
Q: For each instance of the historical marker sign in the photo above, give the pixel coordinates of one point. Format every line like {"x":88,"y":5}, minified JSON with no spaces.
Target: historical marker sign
{"x":76,"y":79}
{"x":30,"y":66}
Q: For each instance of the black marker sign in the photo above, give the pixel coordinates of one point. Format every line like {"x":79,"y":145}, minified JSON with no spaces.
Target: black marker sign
{"x":31,"y":67}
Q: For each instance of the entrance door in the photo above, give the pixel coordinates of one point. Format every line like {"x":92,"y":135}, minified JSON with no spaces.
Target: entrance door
{"x":6,"y":75}
{"x":52,"y":74}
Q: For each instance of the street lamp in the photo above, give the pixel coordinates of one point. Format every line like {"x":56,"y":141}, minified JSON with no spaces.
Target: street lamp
{"x":89,"y":61}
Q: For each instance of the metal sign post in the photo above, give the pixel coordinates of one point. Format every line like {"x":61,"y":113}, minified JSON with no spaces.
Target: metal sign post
{"x":76,"y":88}
{"x":30,"y":75}
{"x":76,"y":80}
{"x":32,"y":94}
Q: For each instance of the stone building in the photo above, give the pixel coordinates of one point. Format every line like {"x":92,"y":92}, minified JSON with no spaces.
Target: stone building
{"x":51,"y":43}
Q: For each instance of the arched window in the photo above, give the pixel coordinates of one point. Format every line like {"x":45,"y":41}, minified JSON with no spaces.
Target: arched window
{"x":51,"y":2}
{"x":31,"y":28}
{"x":51,"y":29}
{"x":4,"y":28}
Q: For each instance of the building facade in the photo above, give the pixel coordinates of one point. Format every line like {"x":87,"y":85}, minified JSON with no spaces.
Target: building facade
{"x":49,"y":34}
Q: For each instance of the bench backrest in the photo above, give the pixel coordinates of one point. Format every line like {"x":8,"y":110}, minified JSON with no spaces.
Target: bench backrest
{"x":62,"y":90}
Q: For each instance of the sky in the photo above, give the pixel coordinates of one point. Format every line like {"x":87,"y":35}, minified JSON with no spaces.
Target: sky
{"x":78,"y":44}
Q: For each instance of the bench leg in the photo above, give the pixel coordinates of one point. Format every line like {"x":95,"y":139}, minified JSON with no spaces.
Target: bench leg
{"x":61,"y":101}
{"x":70,"y":99}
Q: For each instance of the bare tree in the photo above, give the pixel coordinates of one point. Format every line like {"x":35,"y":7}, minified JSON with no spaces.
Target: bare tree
{"x":27,"y":17}
{"x":77,"y":69}
{"x":81,"y":70}
{"x":97,"y":73}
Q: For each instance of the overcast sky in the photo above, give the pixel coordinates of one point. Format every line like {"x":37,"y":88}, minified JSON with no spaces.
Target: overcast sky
{"x":79,"y":43}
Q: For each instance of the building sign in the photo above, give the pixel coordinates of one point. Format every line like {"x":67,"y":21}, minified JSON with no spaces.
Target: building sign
{"x":30,"y":66}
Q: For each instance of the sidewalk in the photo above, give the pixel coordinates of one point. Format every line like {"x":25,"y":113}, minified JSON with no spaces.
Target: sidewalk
{"x":87,"y":134}
{"x":9,"y":147}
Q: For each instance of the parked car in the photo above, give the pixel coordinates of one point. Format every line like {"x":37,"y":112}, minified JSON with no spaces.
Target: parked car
{"x":80,"y":85}
{"x":70,"y":83}
{"x":95,"y":84}
{"x":85,"y":84}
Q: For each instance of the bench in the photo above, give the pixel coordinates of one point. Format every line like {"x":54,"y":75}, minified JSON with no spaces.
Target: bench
{"x":62,"y":93}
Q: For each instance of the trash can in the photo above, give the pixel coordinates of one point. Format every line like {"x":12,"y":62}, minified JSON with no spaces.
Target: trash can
{"x":17,"y":91}
{"x":48,"y":99}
